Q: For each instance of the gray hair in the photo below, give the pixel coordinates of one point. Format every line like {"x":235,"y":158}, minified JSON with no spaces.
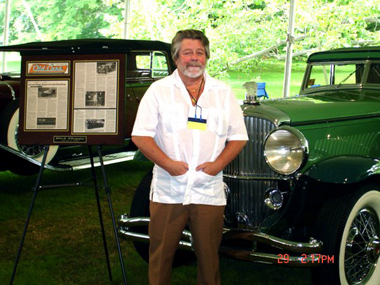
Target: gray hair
{"x":189,"y":34}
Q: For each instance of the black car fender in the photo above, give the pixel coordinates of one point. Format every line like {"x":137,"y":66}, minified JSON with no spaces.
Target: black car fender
{"x":344,"y":169}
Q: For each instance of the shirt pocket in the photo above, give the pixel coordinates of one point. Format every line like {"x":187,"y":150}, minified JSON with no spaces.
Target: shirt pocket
{"x":217,"y":121}
{"x":178,"y":184}
{"x":174,"y":117}
{"x":205,"y":184}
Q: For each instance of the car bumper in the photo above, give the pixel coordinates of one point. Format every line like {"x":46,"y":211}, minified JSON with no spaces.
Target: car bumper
{"x":282,"y":252}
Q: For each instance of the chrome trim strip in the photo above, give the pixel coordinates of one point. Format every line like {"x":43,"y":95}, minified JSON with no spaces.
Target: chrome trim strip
{"x":126,"y":221}
{"x":239,"y":177}
{"x":313,"y":246}
{"x":112,"y":158}
{"x":74,"y":166}
{"x":131,"y":236}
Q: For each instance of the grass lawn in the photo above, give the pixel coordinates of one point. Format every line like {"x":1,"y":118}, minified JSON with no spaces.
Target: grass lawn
{"x":12,"y":65}
{"x":64,"y":246}
{"x":273,"y":74}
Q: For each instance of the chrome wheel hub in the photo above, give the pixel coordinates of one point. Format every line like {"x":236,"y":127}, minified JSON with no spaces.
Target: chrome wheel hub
{"x":29,"y":150}
{"x":373,"y":250}
{"x":362,"y":247}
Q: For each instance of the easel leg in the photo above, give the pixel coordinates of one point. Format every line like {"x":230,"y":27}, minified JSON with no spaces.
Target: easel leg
{"x":100,"y":212}
{"x":105,"y":182}
{"x":35,"y":191}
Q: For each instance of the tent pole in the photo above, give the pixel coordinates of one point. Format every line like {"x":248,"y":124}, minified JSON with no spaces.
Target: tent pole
{"x":289,"y":49}
{"x":127,"y":14}
{"x":6,"y":31}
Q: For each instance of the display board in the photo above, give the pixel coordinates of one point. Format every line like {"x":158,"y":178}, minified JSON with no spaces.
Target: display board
{"x":72,"y":99}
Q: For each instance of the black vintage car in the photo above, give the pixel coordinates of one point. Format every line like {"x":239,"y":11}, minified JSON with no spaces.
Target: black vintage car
{"x":305,"y":190}
{"x":145,"y":61}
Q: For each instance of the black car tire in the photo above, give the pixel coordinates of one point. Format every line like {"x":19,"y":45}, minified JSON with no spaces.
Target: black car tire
{"x":140,"y":208}
{"x":350,"y":230}
{"x":9,"y":138}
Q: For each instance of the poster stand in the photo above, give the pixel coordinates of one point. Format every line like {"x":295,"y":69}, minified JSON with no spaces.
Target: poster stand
{"x":38,"y":186}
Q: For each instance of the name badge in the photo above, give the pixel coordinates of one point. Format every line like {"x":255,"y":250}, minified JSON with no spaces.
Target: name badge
{"x":196,"y":124}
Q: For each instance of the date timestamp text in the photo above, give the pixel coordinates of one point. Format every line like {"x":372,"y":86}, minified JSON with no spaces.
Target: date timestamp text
{"x":307,"y":258}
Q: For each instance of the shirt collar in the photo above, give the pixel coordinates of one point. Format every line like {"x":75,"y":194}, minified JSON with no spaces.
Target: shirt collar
{"x":179,"y":83}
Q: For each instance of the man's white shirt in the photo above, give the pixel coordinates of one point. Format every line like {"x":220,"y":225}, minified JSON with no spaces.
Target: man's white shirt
{"x":163,"y":115}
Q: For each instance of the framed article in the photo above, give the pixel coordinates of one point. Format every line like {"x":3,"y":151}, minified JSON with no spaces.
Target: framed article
{"x":95,"y":97}
{"x":72,"y":99}
{"x":47,"y":105}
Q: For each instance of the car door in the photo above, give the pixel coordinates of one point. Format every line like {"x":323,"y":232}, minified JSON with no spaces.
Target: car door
{"x":143,"y":68}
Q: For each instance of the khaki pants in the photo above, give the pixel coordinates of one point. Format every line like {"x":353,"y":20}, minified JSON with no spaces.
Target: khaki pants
{"x":165,"y":229}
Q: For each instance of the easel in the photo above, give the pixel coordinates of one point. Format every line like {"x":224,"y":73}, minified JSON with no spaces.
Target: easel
{"x":107,"y":189}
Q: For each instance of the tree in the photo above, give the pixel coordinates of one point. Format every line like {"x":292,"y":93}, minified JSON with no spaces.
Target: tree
{"x":237,"y":28}
{"x":242,"y":28}
{"x":68,"y":19}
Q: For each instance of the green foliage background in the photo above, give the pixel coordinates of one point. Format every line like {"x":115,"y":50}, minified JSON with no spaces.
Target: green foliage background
{"x":236,"y":28}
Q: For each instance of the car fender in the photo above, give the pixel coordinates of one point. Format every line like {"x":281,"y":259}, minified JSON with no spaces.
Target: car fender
{"x":344,"y":169}
{"x":8,"y":92}
{"x":139,"y":156}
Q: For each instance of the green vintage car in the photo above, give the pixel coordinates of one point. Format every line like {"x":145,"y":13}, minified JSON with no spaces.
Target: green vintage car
{"x":305,"y":189}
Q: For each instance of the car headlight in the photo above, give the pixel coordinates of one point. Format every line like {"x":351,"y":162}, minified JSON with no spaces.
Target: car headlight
{"x":285,"y":150}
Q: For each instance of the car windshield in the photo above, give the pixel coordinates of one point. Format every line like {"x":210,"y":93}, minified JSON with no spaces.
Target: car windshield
{"x":358,"y":68}
{"x":10,"y":63}
{"x":374,"y":74}
{"x":337,"y":74}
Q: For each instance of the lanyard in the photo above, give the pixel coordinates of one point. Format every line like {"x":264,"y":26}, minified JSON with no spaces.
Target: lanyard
{"x":193,"y":100}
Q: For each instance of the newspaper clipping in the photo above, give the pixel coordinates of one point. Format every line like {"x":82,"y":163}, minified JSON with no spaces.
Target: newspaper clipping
{"x":95,"y":97}
{"x":46,"y":107}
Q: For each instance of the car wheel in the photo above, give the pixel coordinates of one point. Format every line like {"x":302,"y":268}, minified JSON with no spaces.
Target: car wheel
{"x":140,"y":208}
{"x":10,"y":125}
{"x":350,"y":230}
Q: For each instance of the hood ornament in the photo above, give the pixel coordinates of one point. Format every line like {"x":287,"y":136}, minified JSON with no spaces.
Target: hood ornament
{"x":251,"y":93}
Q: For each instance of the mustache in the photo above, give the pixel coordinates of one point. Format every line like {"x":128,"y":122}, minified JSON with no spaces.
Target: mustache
{"x":194,"y":64}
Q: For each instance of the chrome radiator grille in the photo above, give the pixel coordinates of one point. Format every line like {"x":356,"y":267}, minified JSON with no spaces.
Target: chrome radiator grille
{"x":248,"y":176}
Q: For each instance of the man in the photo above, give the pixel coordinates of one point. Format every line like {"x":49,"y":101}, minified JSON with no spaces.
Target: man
{"x":191,"y":126}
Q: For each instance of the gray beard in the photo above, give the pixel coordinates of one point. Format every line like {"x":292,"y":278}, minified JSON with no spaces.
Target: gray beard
{"x":191,"y":74}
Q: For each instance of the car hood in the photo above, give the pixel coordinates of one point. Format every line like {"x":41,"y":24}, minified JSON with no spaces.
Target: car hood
{"x":318,"y":108}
